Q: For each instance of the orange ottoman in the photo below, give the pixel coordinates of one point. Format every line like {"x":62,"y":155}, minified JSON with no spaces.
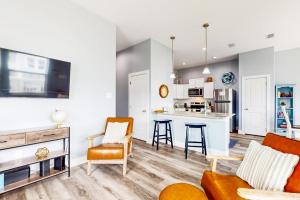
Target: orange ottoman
{"x":182,"y":191}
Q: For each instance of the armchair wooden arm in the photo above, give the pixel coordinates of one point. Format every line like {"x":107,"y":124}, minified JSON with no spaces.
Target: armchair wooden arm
{"x":253,"y":194}
{"x":215,"y":159}
{"x":91,"y":139}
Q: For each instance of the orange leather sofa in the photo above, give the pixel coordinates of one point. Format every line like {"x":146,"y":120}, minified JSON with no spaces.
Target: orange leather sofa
{"x":230,"y":187}
{"x":111,"y":153}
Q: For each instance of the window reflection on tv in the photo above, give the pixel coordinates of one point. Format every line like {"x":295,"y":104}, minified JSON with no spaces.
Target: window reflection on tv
{"x":26,"y":75}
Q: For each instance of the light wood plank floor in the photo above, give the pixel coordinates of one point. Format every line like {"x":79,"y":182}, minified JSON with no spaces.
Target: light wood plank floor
{"x":148,"y":173}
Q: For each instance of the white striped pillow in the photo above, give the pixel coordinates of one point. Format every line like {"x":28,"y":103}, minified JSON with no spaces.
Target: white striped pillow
{"x":265,"y":168}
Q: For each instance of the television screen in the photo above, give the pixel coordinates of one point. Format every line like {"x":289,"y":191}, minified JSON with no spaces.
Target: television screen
{"x":27,"y":75}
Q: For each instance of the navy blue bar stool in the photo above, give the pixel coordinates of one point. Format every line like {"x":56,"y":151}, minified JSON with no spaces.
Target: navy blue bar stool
{"x":200,"y":144}
{"x":157,"y":136}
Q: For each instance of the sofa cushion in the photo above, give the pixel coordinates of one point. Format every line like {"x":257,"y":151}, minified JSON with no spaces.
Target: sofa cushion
{"x":286,"y":145}
{"x":222,"y":187}
{"x":115,"y":132}
{"x":265,"y":168}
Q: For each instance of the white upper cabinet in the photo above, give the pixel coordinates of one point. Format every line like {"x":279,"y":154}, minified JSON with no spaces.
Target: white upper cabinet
{"x":180,"y":91}
{"x":209,"y":90}
{"x":196,"y":83}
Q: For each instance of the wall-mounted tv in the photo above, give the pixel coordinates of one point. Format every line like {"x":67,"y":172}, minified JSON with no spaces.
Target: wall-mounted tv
{"x":27,"y":75}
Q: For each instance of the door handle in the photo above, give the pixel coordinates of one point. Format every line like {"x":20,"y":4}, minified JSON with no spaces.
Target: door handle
{"x":246,"y":109}
{"x":144,"y":111}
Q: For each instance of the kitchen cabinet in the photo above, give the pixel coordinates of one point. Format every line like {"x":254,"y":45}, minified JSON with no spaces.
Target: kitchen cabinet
{"x":209,"y":90}
{"x":180,"y":91}
{"x":196,"y":83}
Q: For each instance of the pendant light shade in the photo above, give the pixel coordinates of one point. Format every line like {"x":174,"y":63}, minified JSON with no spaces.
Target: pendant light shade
{"x":173,"y":75}
{"x":206,"y":69}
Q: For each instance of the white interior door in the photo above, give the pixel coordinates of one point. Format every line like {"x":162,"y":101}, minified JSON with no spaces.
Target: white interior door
{"x":139,"y":103}
{"x":255,"y":105}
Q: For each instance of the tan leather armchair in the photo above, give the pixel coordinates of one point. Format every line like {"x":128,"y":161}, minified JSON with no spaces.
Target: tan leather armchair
{"x":111,"y":153}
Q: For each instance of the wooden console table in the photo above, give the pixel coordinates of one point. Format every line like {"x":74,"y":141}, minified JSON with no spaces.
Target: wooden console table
{"x":21,"y":138}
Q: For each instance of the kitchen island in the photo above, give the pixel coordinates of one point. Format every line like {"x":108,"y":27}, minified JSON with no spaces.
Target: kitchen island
{"x":217,"y":132}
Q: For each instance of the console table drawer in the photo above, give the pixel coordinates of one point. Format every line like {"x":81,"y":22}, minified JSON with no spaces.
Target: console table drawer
{"x":48,"y":135}
{"x":12,"y":140}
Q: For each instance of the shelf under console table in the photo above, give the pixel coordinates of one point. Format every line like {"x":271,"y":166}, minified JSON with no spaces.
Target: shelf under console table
{"x":22,"y":138}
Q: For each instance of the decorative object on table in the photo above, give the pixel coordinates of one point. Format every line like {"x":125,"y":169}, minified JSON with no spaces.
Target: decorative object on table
{"x":41,"y":153}
{"x":17,"y":174}
{"x":59,"y":163}
{"x":172,"y":75}
{"x":45,"y":168}
{"x":284,"y":98}
{"x":59,"y":117}
{"x":1,"y":182}
{"x":163,"y":91}
{"x":159,"y":111}
{"x":206,"y":69}
{"x":209,"y":79}
{"x":228,"y":78}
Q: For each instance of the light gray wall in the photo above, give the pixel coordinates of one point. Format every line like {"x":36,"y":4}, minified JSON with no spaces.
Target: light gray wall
{"x":258,"y":62}
{"x":217,"y":70}
{"x":287,"y":71}
{"x":133,"y":59}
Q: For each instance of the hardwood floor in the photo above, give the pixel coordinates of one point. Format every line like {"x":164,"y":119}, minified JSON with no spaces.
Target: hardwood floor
{"x":149,"y":171}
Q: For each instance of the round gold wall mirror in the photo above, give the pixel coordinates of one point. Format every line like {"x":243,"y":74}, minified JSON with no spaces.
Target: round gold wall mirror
{"x":163,"y":91}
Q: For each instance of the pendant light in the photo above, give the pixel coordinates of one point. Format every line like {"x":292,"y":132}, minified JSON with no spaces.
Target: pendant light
{"x":173,"y":75}
{"x":206,"y":69}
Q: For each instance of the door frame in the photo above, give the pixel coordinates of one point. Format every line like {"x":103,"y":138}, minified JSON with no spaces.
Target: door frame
{"x":144,"y":72}
{"x":268,"y":103}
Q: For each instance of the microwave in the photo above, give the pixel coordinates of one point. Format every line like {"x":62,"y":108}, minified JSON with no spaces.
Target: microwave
{"x":196,"y":92}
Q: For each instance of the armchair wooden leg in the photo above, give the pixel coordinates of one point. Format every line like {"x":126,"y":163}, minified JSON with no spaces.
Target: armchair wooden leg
{"x":124,"y":167}
{"x":89,"y":168}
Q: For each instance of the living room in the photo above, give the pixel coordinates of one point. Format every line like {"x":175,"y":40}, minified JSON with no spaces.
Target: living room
{"x":72,"y":72}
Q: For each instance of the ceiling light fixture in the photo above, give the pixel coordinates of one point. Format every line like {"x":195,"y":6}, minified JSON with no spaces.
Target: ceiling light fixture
{"x":203,"y":49}
{"x":214,"y":57}
{"x":173,"y":75}
{"x":206,"y":69}
{"x":184,"y":63}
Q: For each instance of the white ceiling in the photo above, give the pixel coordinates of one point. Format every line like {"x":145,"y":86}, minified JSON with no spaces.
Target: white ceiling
{"x":243,"y":22}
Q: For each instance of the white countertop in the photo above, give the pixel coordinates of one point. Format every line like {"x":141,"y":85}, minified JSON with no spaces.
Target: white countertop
{"x":209,"y":115}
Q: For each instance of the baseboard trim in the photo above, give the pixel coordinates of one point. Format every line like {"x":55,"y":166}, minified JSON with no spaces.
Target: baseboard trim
{"x":241,"y":132}
{"x":78,"y":161}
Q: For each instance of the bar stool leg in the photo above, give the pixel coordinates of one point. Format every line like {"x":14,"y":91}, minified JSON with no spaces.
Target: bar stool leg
{"x":203,"y":141}
{"x":166,"y":133}
{"x":157,"y":136}
{"x":154,"y":131}
{"x":186,"y":142}
{"x":170,"y":130}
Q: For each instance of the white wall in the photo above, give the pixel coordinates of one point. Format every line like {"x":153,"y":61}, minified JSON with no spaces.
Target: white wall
{"x":287,"y":71}
{"x":61,"y":30}
{"x":161,"y":68}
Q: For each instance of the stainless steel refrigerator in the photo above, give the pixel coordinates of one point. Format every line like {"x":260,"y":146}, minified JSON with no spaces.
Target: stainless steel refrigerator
{"x":225,"y":102}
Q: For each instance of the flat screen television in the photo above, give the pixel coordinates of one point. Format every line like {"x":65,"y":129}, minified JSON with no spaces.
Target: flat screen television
{"x":27,"y":75}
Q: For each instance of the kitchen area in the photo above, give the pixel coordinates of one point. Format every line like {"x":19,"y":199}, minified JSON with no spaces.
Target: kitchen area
{"x":199,"y":100}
